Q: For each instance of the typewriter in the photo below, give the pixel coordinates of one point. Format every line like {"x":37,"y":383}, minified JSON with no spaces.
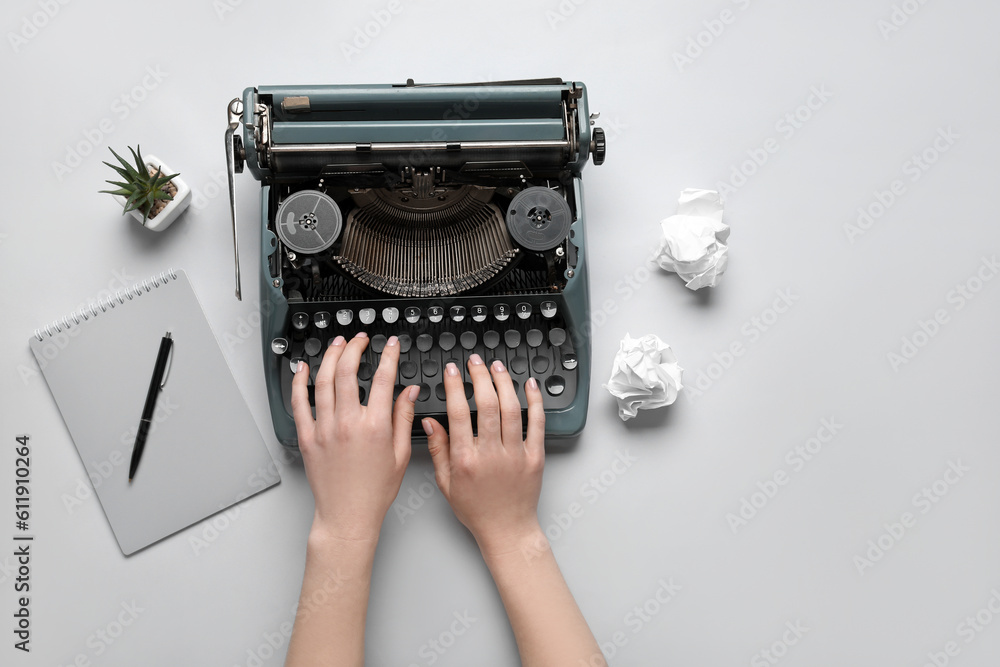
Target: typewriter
{"x":449,"y":215}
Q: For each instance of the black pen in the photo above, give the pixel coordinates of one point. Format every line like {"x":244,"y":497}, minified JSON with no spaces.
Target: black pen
{"x":155,"y":385}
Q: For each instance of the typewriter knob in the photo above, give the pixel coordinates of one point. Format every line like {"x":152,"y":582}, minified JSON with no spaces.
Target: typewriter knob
{"x":598,"y":147}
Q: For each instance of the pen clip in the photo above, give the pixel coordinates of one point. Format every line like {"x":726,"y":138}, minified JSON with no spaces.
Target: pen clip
{"x":166,"y":371}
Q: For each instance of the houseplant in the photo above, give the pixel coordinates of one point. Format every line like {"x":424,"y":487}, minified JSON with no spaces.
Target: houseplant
{"x":148,"y":191}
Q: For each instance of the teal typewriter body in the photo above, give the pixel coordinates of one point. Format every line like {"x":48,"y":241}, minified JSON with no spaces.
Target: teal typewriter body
{"x":448,"y":215}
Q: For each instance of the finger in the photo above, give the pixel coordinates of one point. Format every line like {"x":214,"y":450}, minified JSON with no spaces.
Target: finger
{"x":459,"y":418}
{"x":487,"y":403}
{"x":325,"y":399}
{"x":534,"y":442}
{"x":402,"y":422}
{"x":380,"y":394}
{"x":510,"y":407}
{"x":346,"y":375}
{"x":439,"y":446}
{"x":301,"y":410}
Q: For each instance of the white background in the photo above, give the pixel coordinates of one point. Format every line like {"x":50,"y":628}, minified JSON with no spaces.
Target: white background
{"x":671,"y":124}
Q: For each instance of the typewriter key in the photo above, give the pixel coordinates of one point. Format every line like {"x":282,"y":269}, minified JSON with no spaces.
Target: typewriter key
{"x":300,"y":320}
{"x":478,"y":313}
{"x":557,"y":337}
{"x":390,"y":314}
{"x":404,"y":343}
{"x":512,"y":337}
{"x":313,"y":346}
{"x":519,"y":365}
{"x":425,"y":392}
{"x":447,"y":341}
{"x":408,"y":369}
{"x":365,"y":371}
{"x":344,"y":317}
{"x":412,"y":314}
{"x":321,"y":319}
{"x":378,"y":343}
{"x":555,"y":385}
{"x":439,"y":391}
{"x":569,"y":361}
{"x":523,"y":310}
{"x":501,"y":311}
{"x":430,"y":367}
{"x":457,"y":313}
{"x":468,"y":339}
{"x":366,"y":315}
{"x":548,"y":309}
{"x":279,"y":345}
{"x":435,"y":314}
{"x":491,"y":339}
{"x":540,"y":364}
{"x":425,"y":342}
{"x":534,"y":337}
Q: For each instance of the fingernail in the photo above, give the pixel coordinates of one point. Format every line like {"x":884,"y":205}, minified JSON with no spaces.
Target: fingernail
{"x":361,"y":334}
{"x":339,"y":340}
{"x":532,"y":384}
{"x":498,"y":366}
{"x":451,"y":368}
{"x":392,"y":341}
{"x":301,"y":367}
{"x":428,"y":427}
{"x":412,"y":394}
{"x":476,"y":360}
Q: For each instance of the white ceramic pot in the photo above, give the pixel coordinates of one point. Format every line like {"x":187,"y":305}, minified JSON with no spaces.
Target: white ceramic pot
{"x":174,"y":207}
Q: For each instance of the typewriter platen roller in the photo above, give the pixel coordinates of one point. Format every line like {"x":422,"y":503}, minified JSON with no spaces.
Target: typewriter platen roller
{"x":449,"y":215}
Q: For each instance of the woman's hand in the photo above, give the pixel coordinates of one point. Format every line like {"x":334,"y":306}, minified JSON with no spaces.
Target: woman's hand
{"x":354,"y":455}
{"x":491,"y":481}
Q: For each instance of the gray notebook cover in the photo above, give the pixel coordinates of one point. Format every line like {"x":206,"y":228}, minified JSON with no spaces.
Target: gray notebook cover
{"x":204,"y":452}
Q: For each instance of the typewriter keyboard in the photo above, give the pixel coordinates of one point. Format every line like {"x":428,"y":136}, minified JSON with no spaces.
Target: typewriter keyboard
{"x":528,"y":334}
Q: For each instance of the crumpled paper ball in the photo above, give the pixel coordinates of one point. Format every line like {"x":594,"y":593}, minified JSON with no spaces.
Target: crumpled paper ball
{"x":645,"y":375}
{"x":694,"y":241}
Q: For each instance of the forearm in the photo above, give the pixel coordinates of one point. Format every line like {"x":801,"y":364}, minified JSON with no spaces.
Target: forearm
{"x":547,"y":623}
{"x":330,"y":621}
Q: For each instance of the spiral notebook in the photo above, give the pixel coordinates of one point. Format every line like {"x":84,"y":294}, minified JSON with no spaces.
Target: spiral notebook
{"x":204,"y":452}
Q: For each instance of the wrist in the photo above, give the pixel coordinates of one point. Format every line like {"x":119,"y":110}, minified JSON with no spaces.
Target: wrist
{"x":527,"y":541}
{"x":324,"y":536}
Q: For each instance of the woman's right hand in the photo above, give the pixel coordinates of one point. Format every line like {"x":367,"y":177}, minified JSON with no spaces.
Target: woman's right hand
{"x":492,"y":481}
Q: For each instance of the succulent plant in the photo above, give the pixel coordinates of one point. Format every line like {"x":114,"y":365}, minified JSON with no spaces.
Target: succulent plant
{"x":141,"y":188}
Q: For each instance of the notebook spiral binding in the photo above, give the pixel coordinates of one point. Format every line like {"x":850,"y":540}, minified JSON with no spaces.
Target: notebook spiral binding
{"x":102,"y":305}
